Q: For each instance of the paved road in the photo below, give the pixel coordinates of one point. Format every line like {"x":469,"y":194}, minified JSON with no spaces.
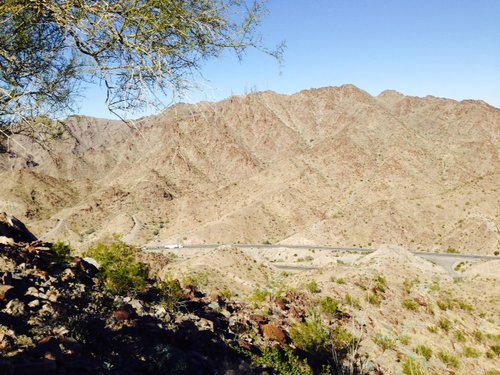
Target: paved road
{"x":446,"y":260}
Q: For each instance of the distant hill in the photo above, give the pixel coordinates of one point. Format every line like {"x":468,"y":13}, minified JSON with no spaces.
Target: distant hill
{"x":327,"y":166}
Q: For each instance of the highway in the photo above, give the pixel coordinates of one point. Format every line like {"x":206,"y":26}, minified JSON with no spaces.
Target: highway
{"x":446,"y":260}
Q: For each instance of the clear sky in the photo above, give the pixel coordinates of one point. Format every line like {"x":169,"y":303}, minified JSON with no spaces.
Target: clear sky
{"x":445,"y":48}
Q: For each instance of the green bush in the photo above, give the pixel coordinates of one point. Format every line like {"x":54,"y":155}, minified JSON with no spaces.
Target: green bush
{"x":313,"y":287}
{"x":352,"y":301}
{"x":119,"y":270}
{"x":459,"y":336}
{"x":373,"y":299}
{"x":495,"y":349}
{"x":412,"y":367}
{"x":448,"y":359}
{"x":478,"y":335}
{"x":424,"y":351}
{"x":444,"y":324}
{"x":62,"y":250}
{"x":410,"y":304}
{"x":380,"y":283}
{"x":310,"y":336}
{"x":471,"y":352}
{"x":342,"y":339}
{"x":170,"y":293}
{"x":329,"y":306}
{"x":282,"y":362}
{"x":384,"y":342}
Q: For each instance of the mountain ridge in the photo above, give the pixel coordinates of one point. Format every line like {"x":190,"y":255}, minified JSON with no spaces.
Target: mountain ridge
{"x":266,"y":167}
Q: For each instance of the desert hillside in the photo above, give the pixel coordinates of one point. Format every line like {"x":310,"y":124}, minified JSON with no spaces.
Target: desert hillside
{"x":327,"y":166}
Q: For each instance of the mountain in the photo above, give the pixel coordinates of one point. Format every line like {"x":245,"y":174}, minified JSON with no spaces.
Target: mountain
{"x":326,"y":166}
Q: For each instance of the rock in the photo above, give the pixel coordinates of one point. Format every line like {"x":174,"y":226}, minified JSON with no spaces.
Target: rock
{"x":32,"y":291}
{"x":5,"y":291}
{"x":258,"y":318}
{"x":273,"y":332}
{"x":14,"y":229}
{"x":15,"y":308}
{"x":67,"y":275}
{"x":52,"y":295}
{"x":206,"y":324}
{"x":214,"y":306}
{"x":137,"y":306}
{"x":34,"y":303}
{"x":6,"y":240}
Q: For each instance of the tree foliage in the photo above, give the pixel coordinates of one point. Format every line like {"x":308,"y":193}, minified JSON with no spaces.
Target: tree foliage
{"x":139,"y":50}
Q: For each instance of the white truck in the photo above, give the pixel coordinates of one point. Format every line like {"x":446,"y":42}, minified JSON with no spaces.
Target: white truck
{"x":173,"y":246}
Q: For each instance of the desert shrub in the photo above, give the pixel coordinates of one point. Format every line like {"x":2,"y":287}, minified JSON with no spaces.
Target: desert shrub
{"x":313,"y":287}
{"x":62,"y":250}
{"x":282,"y":362}
{"x":412,"y":367}
{"x":305,"y":259}
{"x":435,"y":287}
{"x":410,"y":304}
{"x":373,"y":299}
{"x":259,"y":296}
{"x":352,"y":301}
{"x":445,"y":304}
{"x":407,"y":286}
{"x":380,"y":283}
{"x":340,"y":281}
{"x":444,"y":324}
{"x":478,"y":335}
{"x":496,"y":252}
{"x":452,"y":250}
{"x":226,"y":293}
{"x":495,"y":349}
{"x":170,"y":293}
{"x":459,"y":336}
{"x":465,"y":306}
{"x":342,"y":339}
{"x":310,"y":336}
{"x":195,"y":279}
{"x":404,"y":339}
{"x":329,"y":306}
{"x":119,"y":270}
{"x":424,"y":351}
{"x":432,"y":329}
{"x":471,"y":352}
{"x":384,"y":342}
{"x":448,"y":359}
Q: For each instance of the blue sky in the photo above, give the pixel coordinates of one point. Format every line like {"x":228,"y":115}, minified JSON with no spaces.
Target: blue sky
{"x":445,"y":48}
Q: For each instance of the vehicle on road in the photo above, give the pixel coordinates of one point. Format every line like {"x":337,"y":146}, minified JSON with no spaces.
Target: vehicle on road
{"x":173,"y":246}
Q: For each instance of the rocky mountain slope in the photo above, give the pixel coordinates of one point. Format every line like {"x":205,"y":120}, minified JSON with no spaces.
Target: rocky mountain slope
{"x":330,"y":166}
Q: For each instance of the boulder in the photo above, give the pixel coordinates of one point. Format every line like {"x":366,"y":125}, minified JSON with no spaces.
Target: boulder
{"x":12,"y":228}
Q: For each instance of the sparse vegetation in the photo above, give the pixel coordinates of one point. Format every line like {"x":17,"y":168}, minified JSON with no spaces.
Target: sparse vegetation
{"x":170,"y":292}
{"x":444,"y":324}
{"x":310,"y":336}
{"x":424,"y":351}
{"x":384,"y":342}
{"x":410,"y":304}
{"x":373,"y":299}
{"x":471,"y":352}
{"x":448,"y":359}
{"x":329,"y":306}
{"x":120,"y":271}
{"x":459,"y":336}
{"x":313,"y":287}
{"x":283,"y":362}
{"x":63,"y":250}
{"x":380,"y":283}
{"x":352,"y":301}
{"x":412,"y":367}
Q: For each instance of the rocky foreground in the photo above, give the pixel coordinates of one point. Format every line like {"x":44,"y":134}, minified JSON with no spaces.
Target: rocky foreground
{"x":56,"y":316}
